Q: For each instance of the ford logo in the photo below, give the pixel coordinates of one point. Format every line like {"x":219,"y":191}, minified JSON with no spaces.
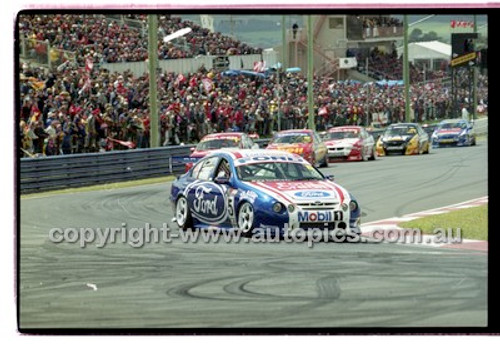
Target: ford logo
{"x":208,"y":202}
{"x":312,"y":194}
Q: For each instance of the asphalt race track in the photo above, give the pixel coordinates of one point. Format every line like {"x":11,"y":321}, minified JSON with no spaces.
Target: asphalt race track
{"x":246,"y":285}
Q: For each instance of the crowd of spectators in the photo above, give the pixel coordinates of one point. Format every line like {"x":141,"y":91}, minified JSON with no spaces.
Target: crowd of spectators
{"x":384,"y":65}
{"x":381,"y":21}
{"x":60,"y":115}
{"x":110,"y":40}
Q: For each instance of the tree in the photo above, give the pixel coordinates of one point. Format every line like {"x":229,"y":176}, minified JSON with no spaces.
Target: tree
{"x":415,"y":35}
{"x":431,"y":36}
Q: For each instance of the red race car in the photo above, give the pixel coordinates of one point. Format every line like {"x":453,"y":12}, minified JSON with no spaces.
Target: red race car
{"x":350,"y":143}
{"x":303,"y":142}
{"x":216,"y":141}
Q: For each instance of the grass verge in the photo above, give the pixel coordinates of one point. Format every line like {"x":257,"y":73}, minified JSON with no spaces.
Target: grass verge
{"x":109,"y":186}
{"x":473,"y":222}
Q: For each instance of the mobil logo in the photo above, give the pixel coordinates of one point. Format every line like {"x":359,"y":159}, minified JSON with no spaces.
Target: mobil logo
{"x":320,"y":216}
{"x":312,"y":194}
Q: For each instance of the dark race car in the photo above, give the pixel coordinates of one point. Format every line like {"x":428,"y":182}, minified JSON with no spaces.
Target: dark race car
{"x":403,"y":138}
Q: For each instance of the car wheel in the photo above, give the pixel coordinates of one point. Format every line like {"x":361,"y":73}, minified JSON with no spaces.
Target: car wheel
{"x":363,"y":155}
{"x":182,"y":214}
{"x":374,"y":154}
{"x":325,"y":161}
{"x":313,"y":160}
{"x":246,"y":218}
{"x":473,"y":143}
{"x":428,"y":148}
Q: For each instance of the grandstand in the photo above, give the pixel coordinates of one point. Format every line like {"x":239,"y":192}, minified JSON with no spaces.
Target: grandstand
{"x":73,"y":101}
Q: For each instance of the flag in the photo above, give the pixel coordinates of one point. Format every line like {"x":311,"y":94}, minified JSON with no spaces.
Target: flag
{"x":193,"y":82}
{"x":207,"y":84}
{"x":89,"y":64}
{"x":128,"y":144}
{"x":207,"y":22}
{"x":347,"y":62}
{"x":259,"y":66}
{"x":180,"y":79}
{"x":86,"y":86}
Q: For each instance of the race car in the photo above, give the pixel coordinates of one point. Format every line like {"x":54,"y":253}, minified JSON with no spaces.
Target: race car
{"x":304,"y":142}
{"x":350,"y":143}
{"x":213,"y":142}
{"x":403,"y":138}
{"x":262,"y":190}
{"x":454,"y":132}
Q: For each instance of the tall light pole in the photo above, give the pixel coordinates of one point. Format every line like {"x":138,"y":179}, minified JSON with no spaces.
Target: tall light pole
{"x":406,"y":66}
{"x":406,"y":69}
{"x":154,"y":132}
{"x":153,"y":83}
{"x":284,"y":62}
{"x":475,"y":77}
{"x":310,"y":69}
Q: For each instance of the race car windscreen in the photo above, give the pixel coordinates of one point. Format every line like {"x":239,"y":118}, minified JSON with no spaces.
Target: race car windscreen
{"x":217,"y":144}
{"x":293,"y":138}
{"x":270,"y":171}
{"x":400,"y":131}
{"x":339,"y":135}
{"x":459,"y":125}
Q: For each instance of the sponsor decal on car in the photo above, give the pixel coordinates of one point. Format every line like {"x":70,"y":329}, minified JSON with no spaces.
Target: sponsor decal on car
{"x":248,"y":195}
{"x":209,"y":201}
{"x":320,"y":216}
{"x":312,"y":194}
{"x":262,"y":157}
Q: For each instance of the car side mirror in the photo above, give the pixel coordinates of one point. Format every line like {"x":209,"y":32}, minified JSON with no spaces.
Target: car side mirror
{"x":255,"y":146}
{"x":192,"y":149}
{"x":330,"y":177}
{"x":221,"y":180}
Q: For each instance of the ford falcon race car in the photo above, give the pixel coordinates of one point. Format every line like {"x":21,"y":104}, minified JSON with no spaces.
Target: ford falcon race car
{"x":454,"y":132}
{"x":213,"y":142}
{"x":403,"y":138}
{"x":262,"y":190}
{"x":304,"y":142}
{"x":350,"y":143}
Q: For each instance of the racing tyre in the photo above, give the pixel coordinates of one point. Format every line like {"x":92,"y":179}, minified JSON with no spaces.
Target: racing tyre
{"x":363,"y":155}
{"x":473,"y":143}
{"x":374,"y":154}
{"x":182,"y":214}
{"x":428,"y":149}
{"x":325,"y":161}
{"x":246,"y":218}
{"x":313,"y":161}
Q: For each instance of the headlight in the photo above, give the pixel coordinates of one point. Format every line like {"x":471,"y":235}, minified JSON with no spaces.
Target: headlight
{"x":353,"y":205}
{"x":344,"y":206}
{"x":277,"y":207}
{"x":291,"y":208}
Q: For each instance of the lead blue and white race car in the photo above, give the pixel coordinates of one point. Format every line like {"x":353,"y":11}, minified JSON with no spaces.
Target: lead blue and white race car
{"x":454,"y":132}
{"x":255,"y":190}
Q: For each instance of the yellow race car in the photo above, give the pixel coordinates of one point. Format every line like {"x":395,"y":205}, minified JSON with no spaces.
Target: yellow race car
{"x":403,"y":138}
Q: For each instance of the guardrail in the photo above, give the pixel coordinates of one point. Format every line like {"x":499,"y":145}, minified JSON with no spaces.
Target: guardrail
{"x":481,"y":126}
{"x":64,"y":171}
{"x":58,"y":172}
